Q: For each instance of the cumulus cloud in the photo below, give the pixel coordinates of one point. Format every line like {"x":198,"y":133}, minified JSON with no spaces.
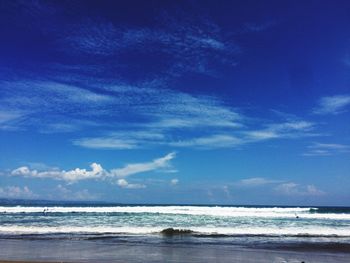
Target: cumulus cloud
{"x":16,"y":192}
{"x":72,"y":175}
{"x":97,"y":172}
{"x":332,"y":104}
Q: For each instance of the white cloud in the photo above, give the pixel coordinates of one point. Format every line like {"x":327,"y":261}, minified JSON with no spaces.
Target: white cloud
{"x":120,"y":140}
{"x":106,"y":143}
{"x":72,"y":175}
{"x":174,"y":181}
{"x":162,"y":135}
{"x":125,"y":184}
{"x":214,"y":141}
{"x":10,"y":118}
{"x":257,"y":181}
{"x":64,"y":193}
{"x":293,"y":189}
{"x":326,"y":149}
{"x":156,"y":164}
{"x":6,"y":116}
{"x":16,"y":192}
{"x":290,"y":129}
{"x":188,"y":46}
{"x":333,"y":104}
{"x":97,"y":172}
{"x":160,"y":111}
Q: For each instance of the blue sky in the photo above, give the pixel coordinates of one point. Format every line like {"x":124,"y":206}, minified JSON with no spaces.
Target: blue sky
{"x":225,"y":102}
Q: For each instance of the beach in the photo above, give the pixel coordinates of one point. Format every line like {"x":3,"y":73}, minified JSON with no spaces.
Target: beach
{"x":91,"y":251}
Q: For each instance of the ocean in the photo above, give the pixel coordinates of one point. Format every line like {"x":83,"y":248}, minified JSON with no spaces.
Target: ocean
{"x":249,"y":226}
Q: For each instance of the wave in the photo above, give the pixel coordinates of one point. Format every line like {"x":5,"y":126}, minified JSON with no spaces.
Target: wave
{"x":266,"y":212}
{"x":195,"y":231}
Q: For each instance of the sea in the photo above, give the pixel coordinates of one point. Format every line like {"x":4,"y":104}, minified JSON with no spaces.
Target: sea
{"x":243,"y":226}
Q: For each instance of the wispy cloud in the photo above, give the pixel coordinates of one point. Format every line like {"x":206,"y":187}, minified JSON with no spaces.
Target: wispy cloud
{"x":281,"y":187}
{"x":290,"y":129}
{"x":174,"y":181}
{"x":75,"y":107}
{"x":107,"y":143}
{"x":97,"y":172}
{"x":293,"y":189}
{"x":64,"y":193}
{"x":257,"y":181}
{"x":216,"y":137}
{"x":186,"y":46}
{"x":134,"y":168}
{"x":132,"y":114}
{"x":258,"y":27}
{"x":129,"y":139}
{"x":332,"y":104}
{"x":6,"y":116}
{"x":9,"y":119}
{"x":125,"y":184}
{"x":16,"y":192}
{"x":213,"y":141}
{"x":326,"y":149}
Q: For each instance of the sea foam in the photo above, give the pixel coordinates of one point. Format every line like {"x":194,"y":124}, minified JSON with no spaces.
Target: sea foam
{"x":261,"y":212}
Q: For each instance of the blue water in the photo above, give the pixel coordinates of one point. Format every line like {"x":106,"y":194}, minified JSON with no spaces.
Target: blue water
{"x":185,"y":224}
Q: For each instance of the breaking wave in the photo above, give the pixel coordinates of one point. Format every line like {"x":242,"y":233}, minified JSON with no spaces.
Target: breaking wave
{"x":263,"y":212}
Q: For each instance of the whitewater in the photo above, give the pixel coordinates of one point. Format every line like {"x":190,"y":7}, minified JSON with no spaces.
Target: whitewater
{"x":195,"y":221}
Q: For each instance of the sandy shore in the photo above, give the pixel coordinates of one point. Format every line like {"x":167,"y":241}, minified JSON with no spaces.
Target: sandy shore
{"x":23,"y":261}
{"x":89,"y":251}
{"x":16,"y":261}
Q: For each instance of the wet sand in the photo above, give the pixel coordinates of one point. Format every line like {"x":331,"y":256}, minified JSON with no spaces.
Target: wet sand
{"x":89,"y":251}
{"x":23,"y":261}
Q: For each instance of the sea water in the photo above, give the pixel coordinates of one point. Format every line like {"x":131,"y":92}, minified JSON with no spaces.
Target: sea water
{"x":239,"y":225}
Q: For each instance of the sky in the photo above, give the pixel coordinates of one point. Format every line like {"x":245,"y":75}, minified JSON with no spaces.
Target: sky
{"x":176,"y":102}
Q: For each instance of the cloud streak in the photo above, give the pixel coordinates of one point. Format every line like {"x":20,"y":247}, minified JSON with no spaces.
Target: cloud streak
{"x":256,"y":182}
{"x":333,"y":104}
{"x":135,"y":168}
{"x":326,"y":149}
{"x":186,"y":46}
{"x":293,"y":189}
{"x":16,"y":192}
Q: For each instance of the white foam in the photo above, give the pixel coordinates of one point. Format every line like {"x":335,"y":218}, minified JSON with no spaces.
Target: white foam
{"x":269,"y":212}
{"x":271,"y":231}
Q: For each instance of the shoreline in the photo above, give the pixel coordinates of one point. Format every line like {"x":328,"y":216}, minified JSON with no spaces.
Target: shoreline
{"x":54,"y":251}
{"x":24,"y":261}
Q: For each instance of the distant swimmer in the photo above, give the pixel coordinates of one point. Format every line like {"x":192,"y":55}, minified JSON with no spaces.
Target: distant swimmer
{"x":296,"y":216}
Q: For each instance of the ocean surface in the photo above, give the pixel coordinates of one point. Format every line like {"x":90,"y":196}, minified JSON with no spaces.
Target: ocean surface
{"x":246,"y":226}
